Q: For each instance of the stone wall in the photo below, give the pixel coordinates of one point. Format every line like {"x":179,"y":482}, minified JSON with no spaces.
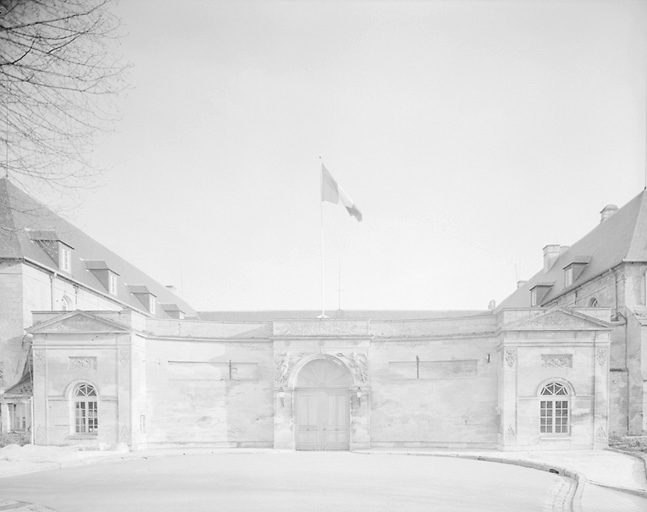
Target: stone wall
{"x":12,"y":349}
{"x":58,"y":368}
{"x":434,"y":392}
{"x":216,"y":393}
{"x":455,"y":382}
{"x":563,"y":348}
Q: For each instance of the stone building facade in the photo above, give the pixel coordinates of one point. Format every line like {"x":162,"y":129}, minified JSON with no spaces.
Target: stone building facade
{"x":509,"y":380}
{"x":607,"y":268}
{"x":46,"y":263}
{"x":93,"y":351}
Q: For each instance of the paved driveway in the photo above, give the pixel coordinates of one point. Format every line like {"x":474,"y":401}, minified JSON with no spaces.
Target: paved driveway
{"x":291,"y":481}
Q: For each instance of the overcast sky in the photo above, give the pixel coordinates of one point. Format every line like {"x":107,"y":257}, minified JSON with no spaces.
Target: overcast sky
{"x":469,"y":133}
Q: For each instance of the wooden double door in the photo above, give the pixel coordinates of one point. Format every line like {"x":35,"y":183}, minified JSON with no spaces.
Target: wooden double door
{"x":322,"y":419}
{"x":322,"y":406}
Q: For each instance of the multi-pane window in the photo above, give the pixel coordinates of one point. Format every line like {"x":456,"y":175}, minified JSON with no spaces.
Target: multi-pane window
{"x":553,"y":409}
{"x":86,"y":419}
{"x":65,"y":258}
{"x":18,"y":416}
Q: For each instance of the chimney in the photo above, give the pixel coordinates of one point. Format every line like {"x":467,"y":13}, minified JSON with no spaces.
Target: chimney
{"x":607,"y":212}
{"x":520,"y":284}
{"x":551,"y":253}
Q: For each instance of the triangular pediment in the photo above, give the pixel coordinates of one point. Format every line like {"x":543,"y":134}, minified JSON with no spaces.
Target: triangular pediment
{"x":77,"y":322}
{"x":558,"y":319}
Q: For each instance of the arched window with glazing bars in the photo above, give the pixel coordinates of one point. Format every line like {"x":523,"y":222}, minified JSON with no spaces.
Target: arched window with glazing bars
{"x":86,"y":417}
{"x":554,"y":409}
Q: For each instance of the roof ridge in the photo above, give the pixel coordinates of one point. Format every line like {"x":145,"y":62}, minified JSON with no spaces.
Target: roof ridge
{"x":618,"y":238}
{"x":38,"y":216}
{"x":638,"y":245}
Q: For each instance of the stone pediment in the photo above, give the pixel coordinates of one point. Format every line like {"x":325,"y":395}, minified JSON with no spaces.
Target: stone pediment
{"x":558,"y":320}
{"x":77,"y":322}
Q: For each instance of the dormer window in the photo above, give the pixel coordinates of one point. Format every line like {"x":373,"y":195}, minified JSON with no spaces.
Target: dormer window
{"x":573,"y":270}
{"x":112,"y":283}
{"x":568,"y":276}
{"x":106,"y":276}
{"x":173,"y":311}
{"x":64,"y":258}
{"x":54,"y":247}
{"x":539,"y":292}
{"x":143,"y":294}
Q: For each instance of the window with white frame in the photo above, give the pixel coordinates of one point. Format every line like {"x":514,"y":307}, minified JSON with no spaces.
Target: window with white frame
{"x":553,"y":409}
{"x":568,"y":276}
{"x":112,"y":283}
{"x":64,"y":258}
{"x":86,"y":418}
{"x":18,"y":416}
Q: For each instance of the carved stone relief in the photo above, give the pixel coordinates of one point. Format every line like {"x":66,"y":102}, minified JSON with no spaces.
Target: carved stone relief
{"x":601,"y":435}
{"x":601,"y":355}
{"x":284,"y":364}
{"x":358,"y":365}
{"x":39,"y":359}
{"x":124,"y":357}
{"x":83,"y":363}
{"x":510,"y":435}
{"x":321,"y":328}
{"x":558,"y":321}
{"x":510,"y":356}
{"x":124,"y":435}
{"x":557,"y":360}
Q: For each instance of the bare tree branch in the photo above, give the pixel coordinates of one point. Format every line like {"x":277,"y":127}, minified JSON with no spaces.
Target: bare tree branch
{"x":57,"y":79}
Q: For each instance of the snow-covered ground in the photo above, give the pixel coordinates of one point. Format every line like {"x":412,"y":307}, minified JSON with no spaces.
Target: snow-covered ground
{"x":287,"y":481}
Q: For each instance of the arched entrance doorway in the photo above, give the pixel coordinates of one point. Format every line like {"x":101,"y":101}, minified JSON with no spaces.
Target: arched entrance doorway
{"x":322,"y":406}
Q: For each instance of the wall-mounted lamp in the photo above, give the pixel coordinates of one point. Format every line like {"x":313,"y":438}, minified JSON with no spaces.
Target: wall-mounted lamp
{"x":282,"y":396}
{"x":359,"y":396}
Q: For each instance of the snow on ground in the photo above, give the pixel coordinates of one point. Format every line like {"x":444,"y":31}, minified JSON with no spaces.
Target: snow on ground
{"x":55,"y":454}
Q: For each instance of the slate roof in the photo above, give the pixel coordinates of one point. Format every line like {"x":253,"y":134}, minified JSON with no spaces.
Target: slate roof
{"x":22,"y":218}
{"x":622,"y":237}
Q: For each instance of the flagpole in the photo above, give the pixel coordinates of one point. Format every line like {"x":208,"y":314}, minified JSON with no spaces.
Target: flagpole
{"x":323,"y":264}
{"x":323,"y":270}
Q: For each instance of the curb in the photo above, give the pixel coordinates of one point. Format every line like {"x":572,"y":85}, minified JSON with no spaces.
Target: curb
{"x":642,"y":457}
{"x":579,"y":479}
{"x":575,"y":496}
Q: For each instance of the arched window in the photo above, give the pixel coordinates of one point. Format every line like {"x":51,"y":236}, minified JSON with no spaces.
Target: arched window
{"x":66,"y":303}
{"x":554,"y":409}
{"x":86,"y":419}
